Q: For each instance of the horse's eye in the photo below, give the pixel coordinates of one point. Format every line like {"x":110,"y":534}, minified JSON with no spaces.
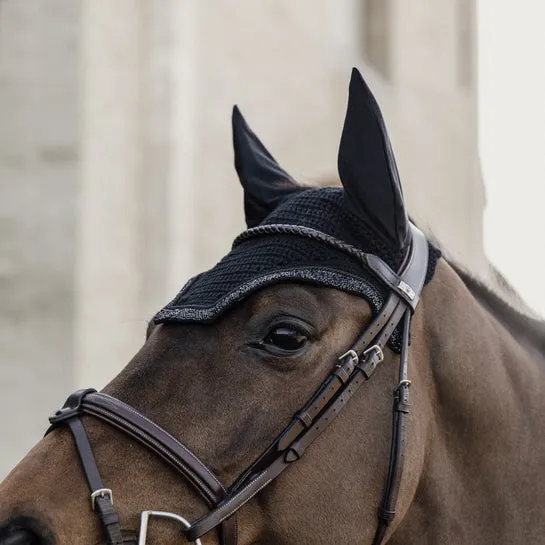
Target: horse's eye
{"x":286,"y":338}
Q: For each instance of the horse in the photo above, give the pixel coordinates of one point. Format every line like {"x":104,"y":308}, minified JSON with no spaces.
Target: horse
{"x":333,"y":379}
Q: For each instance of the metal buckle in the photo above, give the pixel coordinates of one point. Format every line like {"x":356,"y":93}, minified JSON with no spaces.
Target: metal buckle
{"x":377,"y":350}
{"x":352,"y":354}
{"x":401,"y":384}
{"x":370,"y":360}
{"x":144,"y":519}
{"x":102,"y":492}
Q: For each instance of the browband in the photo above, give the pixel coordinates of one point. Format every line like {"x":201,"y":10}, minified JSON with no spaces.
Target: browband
{"x":408,"y":287}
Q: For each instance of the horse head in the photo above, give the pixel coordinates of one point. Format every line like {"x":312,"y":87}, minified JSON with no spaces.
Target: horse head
{"x":259,"y":410}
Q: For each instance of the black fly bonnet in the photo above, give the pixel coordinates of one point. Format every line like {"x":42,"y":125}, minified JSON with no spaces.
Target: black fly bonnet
{"x":286,"y":221}
{"x":271,"y":256}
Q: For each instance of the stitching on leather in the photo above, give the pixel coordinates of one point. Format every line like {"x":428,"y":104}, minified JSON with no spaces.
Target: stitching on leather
{"x":97,"y":411}
{"x":245,"y":501}
{"x":233,"y":499}
{"x":190,"y":453}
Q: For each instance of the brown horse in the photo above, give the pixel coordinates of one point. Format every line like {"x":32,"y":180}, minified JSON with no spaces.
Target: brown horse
{"x":246,"y":345}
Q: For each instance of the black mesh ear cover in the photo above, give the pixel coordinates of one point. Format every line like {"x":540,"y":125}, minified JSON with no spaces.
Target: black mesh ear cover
{"x":265,"y":183}
{"x":368,"y":170}
{"x":368,"y":213}
{"x":263,"y":261}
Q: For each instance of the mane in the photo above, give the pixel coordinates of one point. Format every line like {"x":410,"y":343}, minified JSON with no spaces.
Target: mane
{"x":525,"y":322}
{"x":507,"y":306}
{"x":514,"y":313}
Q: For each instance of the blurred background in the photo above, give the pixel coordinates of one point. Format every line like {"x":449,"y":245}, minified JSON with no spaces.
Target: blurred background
{"x":116,"y":176}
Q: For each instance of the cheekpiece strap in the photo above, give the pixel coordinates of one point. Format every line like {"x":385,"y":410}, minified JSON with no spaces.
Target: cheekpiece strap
{"x":101,"y":498}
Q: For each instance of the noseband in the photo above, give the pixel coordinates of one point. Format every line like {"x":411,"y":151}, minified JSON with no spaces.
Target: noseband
{"x":349,"y":372}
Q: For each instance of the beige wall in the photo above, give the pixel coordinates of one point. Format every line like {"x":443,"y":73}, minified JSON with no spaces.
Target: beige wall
{"x":39,"y":127}
{"x":116,"y":164}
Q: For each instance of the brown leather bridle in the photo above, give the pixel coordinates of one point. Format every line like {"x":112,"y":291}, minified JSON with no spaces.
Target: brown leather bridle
{"x":350,"y":371}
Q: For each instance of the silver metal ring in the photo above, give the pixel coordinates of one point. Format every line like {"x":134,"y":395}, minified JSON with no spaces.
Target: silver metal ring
{"x":144,"y":519}
{"x":403,"y":383}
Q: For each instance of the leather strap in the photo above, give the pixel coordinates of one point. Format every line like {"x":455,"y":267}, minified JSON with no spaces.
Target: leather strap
{"x":414,"y":274}
{"x":102,"y":502}
{"x":400,"y":412}
{"x":332,"y":389}
{"x":130,"y":421}
{"x":177,"y":455}
{"x":125,"y":418}
{"x":337,"y":378}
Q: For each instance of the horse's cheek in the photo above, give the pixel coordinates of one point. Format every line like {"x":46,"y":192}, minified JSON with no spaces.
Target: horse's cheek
{"x":48,"y":486}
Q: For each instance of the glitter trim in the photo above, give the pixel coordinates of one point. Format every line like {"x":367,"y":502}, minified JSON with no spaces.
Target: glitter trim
{"x":316,"y":275}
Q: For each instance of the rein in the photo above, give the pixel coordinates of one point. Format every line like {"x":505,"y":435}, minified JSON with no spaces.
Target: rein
{"x":350,"y":371}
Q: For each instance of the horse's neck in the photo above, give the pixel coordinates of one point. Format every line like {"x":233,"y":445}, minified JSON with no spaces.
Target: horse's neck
{"x":482,"y":479}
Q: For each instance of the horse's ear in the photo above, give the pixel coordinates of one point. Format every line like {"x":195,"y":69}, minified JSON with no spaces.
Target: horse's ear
{"x":265,"y":184}
{"x":367,"y":167}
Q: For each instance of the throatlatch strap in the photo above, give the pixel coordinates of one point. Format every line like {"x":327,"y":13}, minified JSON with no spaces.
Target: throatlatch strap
{"x":387,"y":509}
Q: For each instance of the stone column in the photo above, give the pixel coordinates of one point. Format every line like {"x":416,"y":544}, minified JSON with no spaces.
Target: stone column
{"x":39,"y":113}
{"x":108,"y":324}
{"x":136,"y":215}
{"x":181,"y":184}
{"x":435,"y":122}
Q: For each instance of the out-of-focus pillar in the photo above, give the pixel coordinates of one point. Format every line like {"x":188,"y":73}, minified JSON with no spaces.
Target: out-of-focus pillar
{"x":39,"y":125}
{"x":435,"y":122}
{"x":107,"y":282}
{"x":137,"y":201}
{"x":181,"y":187}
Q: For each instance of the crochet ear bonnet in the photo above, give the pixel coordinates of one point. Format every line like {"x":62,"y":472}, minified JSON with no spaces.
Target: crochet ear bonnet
{"x":309,"y":235}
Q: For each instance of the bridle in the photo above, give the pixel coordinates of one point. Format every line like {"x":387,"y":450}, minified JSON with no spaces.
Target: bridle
{"x":349,"y":372}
